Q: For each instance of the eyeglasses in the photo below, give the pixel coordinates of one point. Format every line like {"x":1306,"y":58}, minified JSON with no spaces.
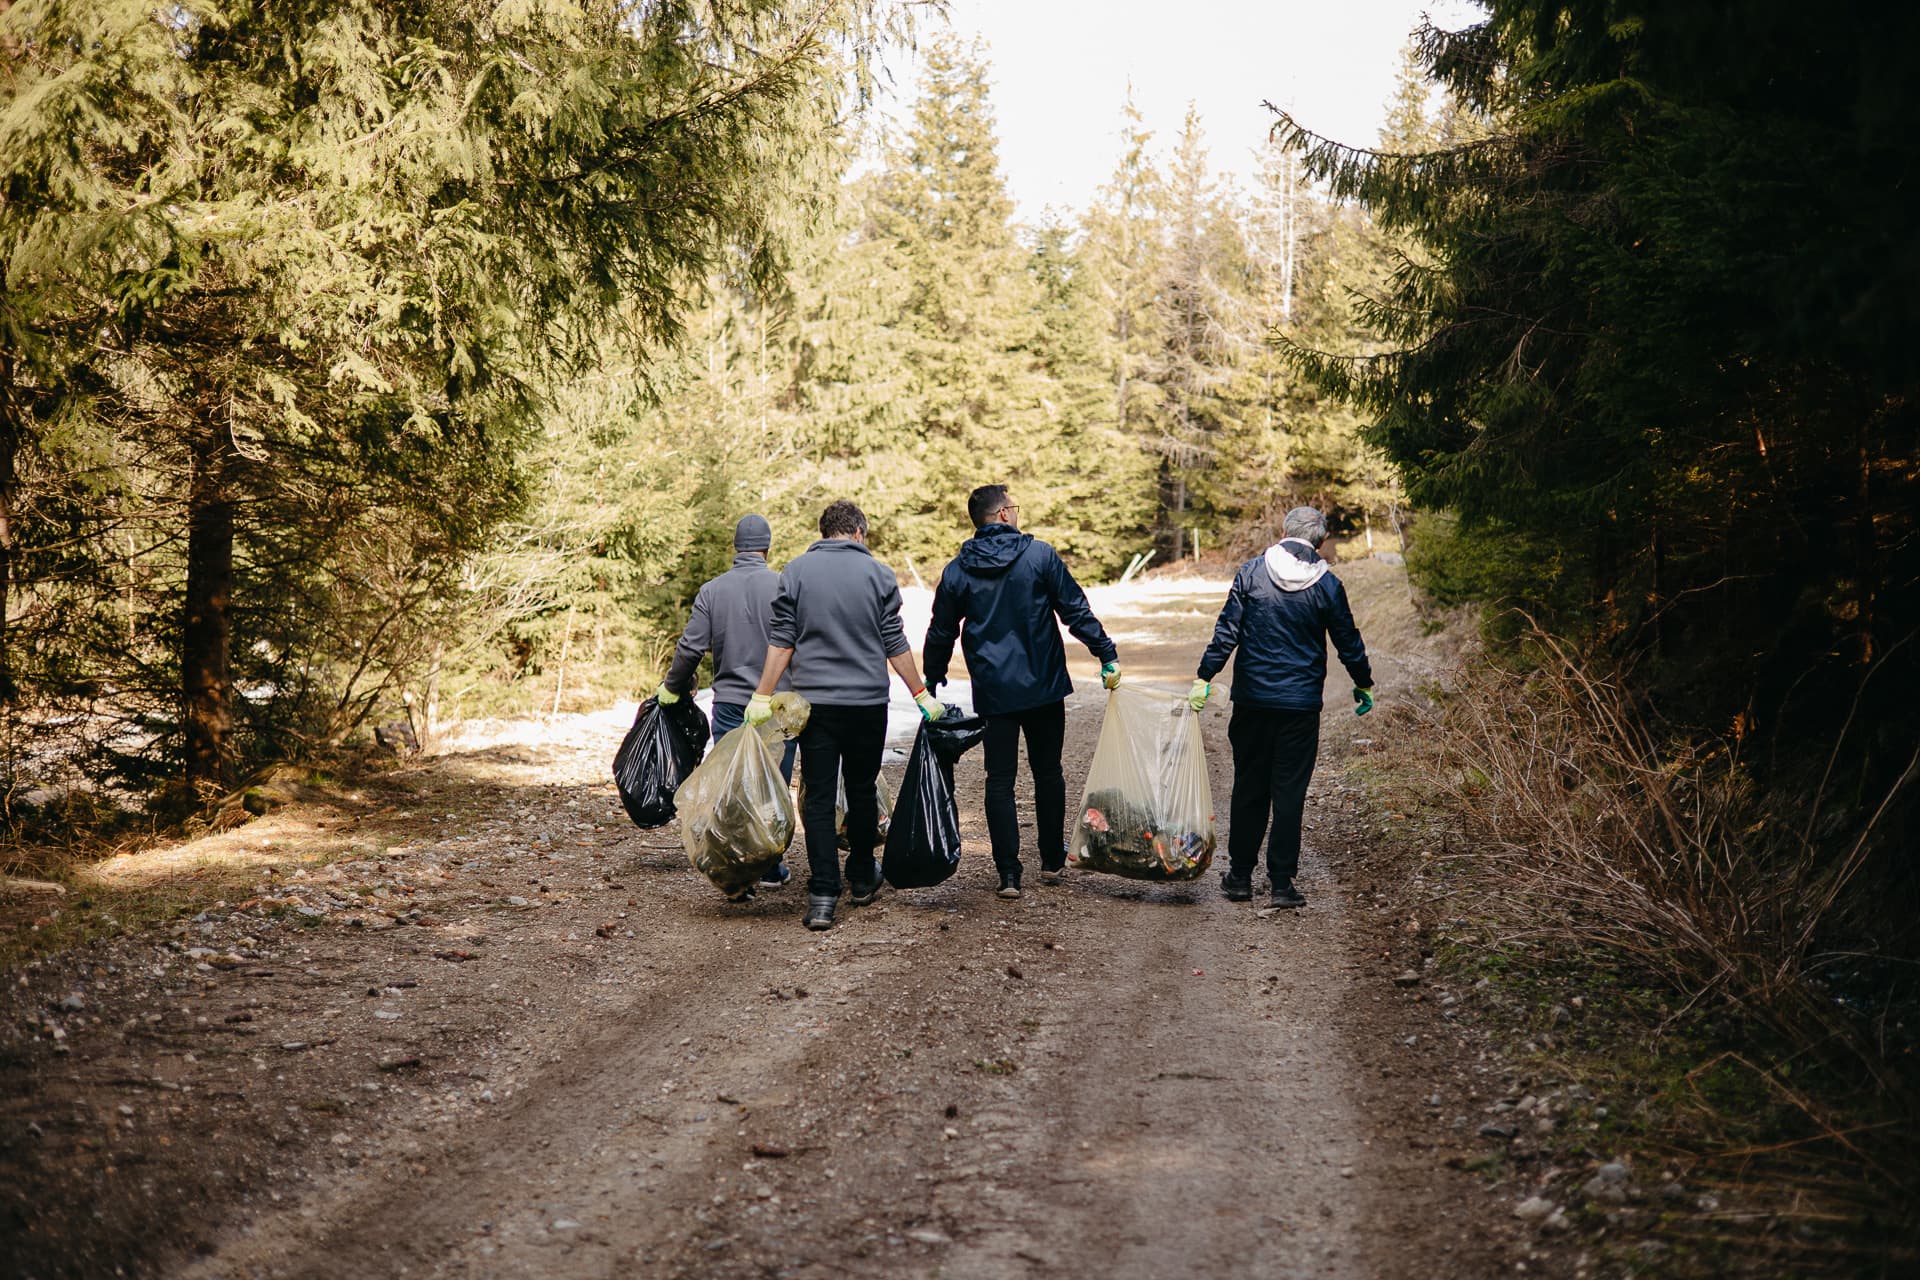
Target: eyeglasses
{"x":1013,"y":507}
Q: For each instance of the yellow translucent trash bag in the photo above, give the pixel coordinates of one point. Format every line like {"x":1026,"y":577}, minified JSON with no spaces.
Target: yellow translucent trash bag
{"x":1147,"y":811}
{"x":736,"y":815}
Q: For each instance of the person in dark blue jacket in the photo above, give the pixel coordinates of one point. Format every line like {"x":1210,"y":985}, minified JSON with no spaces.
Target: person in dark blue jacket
{"x":1282,"y":608}
{"x":1000,"y":597}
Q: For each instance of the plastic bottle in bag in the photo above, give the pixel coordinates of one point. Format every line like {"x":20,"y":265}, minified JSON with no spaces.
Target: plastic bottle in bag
{"x":923,"y":845}
{"x":656,"y":756}
{"x":1147,"y":811}
{"x":736,"y":814}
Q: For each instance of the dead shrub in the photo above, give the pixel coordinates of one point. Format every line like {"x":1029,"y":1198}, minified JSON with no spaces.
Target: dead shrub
{"x":1590,"y":827}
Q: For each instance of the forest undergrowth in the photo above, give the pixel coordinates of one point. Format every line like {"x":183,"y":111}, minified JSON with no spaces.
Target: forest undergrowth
{"x":1649,"y":920}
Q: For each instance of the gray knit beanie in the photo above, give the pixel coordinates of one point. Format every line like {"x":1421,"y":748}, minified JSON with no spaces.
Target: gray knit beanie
{"x":753,"y":533}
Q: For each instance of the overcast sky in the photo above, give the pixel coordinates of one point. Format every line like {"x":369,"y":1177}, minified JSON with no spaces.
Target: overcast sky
{"x":1061,"y":69}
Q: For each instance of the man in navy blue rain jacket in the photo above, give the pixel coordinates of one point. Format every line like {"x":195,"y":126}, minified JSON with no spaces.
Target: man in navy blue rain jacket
{"x":1283,"y":606}
{"x":999,"y":597}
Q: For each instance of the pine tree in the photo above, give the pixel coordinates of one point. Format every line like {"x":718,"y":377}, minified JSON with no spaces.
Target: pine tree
{"x":1207,"y":335}
{"x":1125,"y":259}
{"x":1088,"y":483}
{"x":429,"y":214}
{"x":967,"y":322}
{"x":1647,"y":355}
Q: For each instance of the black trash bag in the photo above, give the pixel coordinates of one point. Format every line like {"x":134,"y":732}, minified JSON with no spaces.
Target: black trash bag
{"x":923,"y":844}
{"x":655,"y":758}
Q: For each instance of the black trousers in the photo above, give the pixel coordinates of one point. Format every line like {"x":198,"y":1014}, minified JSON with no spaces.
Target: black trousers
{"x":1045,"y":727}
{"x":1273,"y":757}
{"x":843,"y":743}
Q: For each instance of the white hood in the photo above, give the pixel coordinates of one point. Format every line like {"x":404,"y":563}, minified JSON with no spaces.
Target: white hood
{"x":1294,"y":565}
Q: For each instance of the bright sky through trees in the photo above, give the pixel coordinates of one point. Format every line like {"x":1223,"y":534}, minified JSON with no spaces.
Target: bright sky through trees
{"x":1061,"y":69}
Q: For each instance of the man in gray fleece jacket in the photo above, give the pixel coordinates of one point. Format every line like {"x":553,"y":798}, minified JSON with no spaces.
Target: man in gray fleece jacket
{"x":836,"y":629}
{"x":729,"y":620}
{"x":730,"y":617}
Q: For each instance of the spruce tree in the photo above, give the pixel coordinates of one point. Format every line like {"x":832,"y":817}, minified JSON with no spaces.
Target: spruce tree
{"x":1125,"y":255}
{"x":967,"y":322}
{"x":1647,"y":354}
{"x":1207,"y":336}
{"x":331,"y":244}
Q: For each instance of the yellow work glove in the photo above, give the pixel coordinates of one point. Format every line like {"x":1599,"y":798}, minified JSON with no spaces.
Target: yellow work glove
{"x":759,"y":708}
{"x":1197,"y":696}
{"x":1110,"y":674}
{"x":930,"y":708}
{"x":665,"y":696}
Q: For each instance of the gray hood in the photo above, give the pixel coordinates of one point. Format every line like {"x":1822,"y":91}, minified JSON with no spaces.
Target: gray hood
{"x":1294,"y":565}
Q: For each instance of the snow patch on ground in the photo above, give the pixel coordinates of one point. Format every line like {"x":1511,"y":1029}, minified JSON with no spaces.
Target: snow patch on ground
{"x":1143,"y":598}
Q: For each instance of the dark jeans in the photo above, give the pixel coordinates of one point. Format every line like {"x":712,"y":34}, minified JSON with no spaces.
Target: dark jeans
{"x":1273,"y":756}
{"x":843,"y":742}
{"x":728,"y":716}
{"x":1045,"y":727}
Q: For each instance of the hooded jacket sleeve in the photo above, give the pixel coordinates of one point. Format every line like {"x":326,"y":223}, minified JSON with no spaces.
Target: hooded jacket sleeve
{"x":1070,"y":603}
{"x":695,"y":641}
{"x":782,"y":624}
{"x":1346,"y":636}
{"x":1226,"y":631}
{"x":937,"y":654}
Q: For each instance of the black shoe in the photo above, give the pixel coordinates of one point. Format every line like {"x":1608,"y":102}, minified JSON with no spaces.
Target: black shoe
{"x":1237,"y":888}
{"x":1009,"y":884}
{"x":859,"y":895}
{"x":777,"y":877}
{"x":819,"y":912}
{"x":1052,"y":864}
{"x":1285,"y":895}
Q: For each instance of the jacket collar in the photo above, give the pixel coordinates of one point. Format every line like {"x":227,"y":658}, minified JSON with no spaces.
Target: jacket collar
{"x":841,"y":544}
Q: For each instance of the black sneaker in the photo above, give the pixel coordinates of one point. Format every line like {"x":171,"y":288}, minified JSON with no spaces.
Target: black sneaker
{"x":860,"y":894}
{"x":1237,"y":888}
{"x":819,"y":912}
{"x":1009,"y":884}
{"x":1285,"y":895}
{"x":1052,"y":864}
{"x":777,"y":877}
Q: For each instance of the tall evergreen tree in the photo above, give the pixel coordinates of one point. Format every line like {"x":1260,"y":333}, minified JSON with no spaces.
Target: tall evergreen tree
{"x":1654,"y":355}
{"x":343,"y":248}
{"x":1207,"y":333}
{"x":968,"y":318}
{"x":1089,"y":483}
{"x":1125,"y":255}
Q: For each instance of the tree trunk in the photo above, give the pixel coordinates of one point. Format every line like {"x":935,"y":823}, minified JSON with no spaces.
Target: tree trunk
{"x":206,"y":641}
{"x":431,"y":738}
{"x":1866,"y":543}
{"x":10,"y":437}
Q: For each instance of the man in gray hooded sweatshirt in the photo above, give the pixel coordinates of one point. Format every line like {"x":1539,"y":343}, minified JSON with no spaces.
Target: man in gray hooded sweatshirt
{"x":1282,"y":608}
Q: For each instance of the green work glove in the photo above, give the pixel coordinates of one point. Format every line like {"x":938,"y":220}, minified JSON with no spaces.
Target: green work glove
{"x":665,"y":696}
{"x":1364,"y":697}
{"x":1197,"y":696}
{"x":759,"y":709}
{"x":930,"y":708}
{"x":1110,"y":675}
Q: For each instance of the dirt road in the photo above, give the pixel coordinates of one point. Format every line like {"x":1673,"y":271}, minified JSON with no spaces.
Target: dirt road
{"x":473,"y":1024}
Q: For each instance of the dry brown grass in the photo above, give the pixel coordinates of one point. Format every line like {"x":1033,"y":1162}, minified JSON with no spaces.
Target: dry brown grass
{"x":1590,"y":829}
